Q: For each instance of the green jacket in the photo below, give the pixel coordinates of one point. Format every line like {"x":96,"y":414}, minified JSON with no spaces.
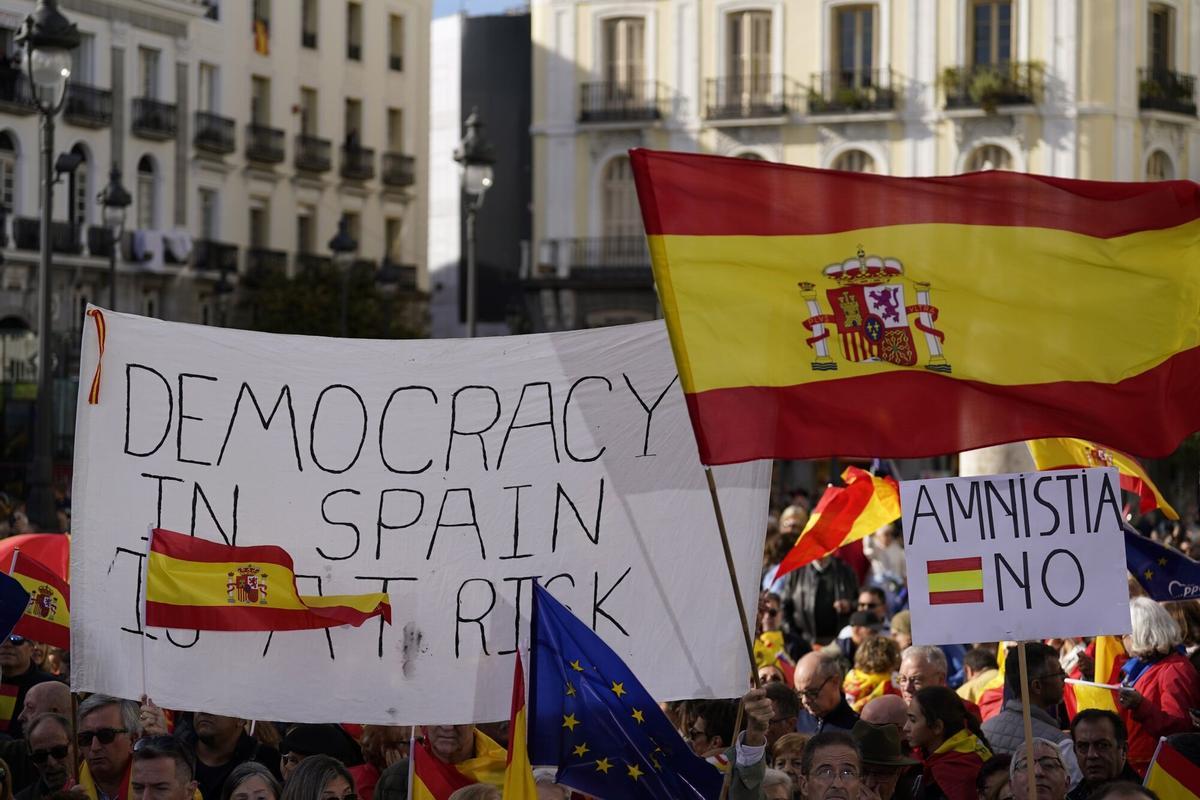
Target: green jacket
{"x":746,"y":781}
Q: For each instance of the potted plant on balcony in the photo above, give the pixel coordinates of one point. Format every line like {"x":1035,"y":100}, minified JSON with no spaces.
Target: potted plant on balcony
{"x":988,"y":87}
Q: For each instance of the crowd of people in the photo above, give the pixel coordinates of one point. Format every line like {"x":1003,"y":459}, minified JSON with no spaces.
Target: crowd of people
{"x":849,"y":709}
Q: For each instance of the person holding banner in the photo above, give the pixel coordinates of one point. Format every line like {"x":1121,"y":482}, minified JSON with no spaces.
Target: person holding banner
{"x":1158,"y":682}
{"x":939,"y":729}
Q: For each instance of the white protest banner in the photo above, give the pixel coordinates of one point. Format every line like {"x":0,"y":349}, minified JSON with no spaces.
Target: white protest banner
{"x":449,"y":473}
{"x":1008,"y":557}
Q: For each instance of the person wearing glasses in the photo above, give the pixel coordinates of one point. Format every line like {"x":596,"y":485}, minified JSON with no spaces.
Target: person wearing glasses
{"x":48,"y":737}
{"x":319,"y":777}
{"x":162,"y":769}
{"x":1006,"y":730}
{"x":819,"y":685}
{"x":952,"y":754}
{"x":18,"y":669}
{"x":1049,"y":771}
{"x":831,"y":768}
{"x":107,"y":729}
{"x":1101,"y":746}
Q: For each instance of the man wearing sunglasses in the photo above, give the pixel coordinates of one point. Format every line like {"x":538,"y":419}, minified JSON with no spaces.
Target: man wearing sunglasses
{"x":107,"y":729}
{"x":18,"y":669}
{"x":49,"y":745}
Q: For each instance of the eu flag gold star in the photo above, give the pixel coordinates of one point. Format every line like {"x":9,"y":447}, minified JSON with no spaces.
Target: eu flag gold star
{"x":1148,"y":574}
{"x":570,"y":690}
{"x":1162,"y":562}
{"x":634,"y":772}
{"x":603,"y":766}
{"x":569,"y":722}
{"x":637,"y":715}
{"x":618,"y":688}
{"x":575,"y":665}
{"x":580,"y":750}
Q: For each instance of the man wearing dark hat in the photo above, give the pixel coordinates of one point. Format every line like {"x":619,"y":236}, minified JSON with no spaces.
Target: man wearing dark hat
{"x":884,"y":766}
{"x":302,"y":741}
{"x":862,"y":626}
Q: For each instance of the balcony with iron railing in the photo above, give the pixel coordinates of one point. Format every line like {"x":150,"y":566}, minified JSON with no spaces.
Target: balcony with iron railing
{"x":64,"y":237}
{"x":398,"y":170}
{"x":88,"y":106}
{"x":16,"y":97}
{"x":749,"y":97}
{"x":989,"y":86}
{"x":264,"y":144}
{"x":154,"y":119}
{"x":358,"y":163}
{"x":613,"y":261}
{"x":851,"y":92}
{"x":263,"y":265}
{"x":1166,"y":90}
{"x":214,"y":133}
{"x":209,"y":255}
{"x":620,"y":101}
{"x":313,"y":154}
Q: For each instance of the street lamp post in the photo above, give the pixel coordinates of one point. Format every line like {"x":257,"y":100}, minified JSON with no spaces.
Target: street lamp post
{"x":48,"y":38}
{"x":115,"y":200}
{"x":474,"y":155}
{"x":343,"y":246}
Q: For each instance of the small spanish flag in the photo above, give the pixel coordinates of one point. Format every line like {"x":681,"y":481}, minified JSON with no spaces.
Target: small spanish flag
{"x":8,"y":704}
{"x":198,"y":584}
{"x":1171,"y":776}
{"x":955,"y":580}
{"x":47,"y":616}
{"x":518,"y":774}
{"x":262,"y":38}
{"x":844,"y":515}
{"x":1074,"y":453}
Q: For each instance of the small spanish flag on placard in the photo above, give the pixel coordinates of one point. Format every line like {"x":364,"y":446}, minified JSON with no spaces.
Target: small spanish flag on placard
{"x":955,"y":580}
{"x":47,"y":617}
{"x":203,"y":585}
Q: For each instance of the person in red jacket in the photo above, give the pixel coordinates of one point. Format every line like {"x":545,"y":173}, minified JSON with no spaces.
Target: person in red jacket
{"x":1159,"y":683}
{"x":951,"y":754}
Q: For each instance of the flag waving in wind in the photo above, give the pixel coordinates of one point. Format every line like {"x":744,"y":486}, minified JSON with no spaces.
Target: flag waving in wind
{"x":47,"y":617}
{"x":844,"y":515}
{"x":818,"y":313}
{"x":1073,"y":453}
{"x":195,"y":583}
{"x":590,"y":717}
{"x":1164,"y":572}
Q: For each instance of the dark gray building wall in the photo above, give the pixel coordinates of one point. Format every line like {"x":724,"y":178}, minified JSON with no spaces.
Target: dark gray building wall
{"x":496,"y":79}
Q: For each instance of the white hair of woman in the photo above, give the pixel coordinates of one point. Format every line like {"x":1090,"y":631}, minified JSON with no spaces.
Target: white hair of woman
{"x":776,"y":777}
{"x":1155,"y":631}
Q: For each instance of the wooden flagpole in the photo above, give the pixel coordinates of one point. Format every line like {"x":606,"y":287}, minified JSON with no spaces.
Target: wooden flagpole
{"x":1027,"y":720}
{"x":741,"y":611}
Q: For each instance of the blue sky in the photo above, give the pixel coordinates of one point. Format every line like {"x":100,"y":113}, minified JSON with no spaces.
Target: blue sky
{"x":442,"y":8}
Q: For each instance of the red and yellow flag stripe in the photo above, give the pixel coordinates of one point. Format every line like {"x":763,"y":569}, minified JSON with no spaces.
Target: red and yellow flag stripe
{"x":1171,"y":776}
{"x":195,"y":583}
{"x":518,"y":773}
{"x":1073,"y":453}
{"x":955,"y":580}
{"x":47,"y":618}
{"x":1056,"y":307}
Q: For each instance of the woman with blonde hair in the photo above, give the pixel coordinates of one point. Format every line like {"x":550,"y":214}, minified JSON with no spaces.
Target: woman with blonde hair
{"x":1158,"y":682}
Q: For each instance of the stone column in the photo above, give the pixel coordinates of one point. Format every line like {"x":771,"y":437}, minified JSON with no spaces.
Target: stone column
{"x":996,"y":460}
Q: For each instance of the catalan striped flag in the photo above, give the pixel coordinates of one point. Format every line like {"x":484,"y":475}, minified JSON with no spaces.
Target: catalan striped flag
{"x":195,"y":583}
{"x":1076,"y":453}
{"x":955,"y":580}
{"x":47,"y":616}
{"x":1171,"y":776}
{"x":815,"y":313}
{"x":844,"y":515}
{"x":518,"y":774}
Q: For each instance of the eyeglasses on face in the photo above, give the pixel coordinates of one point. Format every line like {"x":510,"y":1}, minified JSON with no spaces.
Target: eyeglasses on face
{"x":827,"y":774}
{"x":15,"y":639}
{"x":59,"y":751}
{"x":105,"y":735}
{"x":813,"y":694}
{"x":1045,"y":764}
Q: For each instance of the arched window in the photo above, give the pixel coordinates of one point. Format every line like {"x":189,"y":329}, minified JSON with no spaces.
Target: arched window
{"x":1159,"y":167}
{"x":622,"y":217}
{"x":855,"y":161}
{"x":146,"y":199}
{"x":80,"y":197}
{"x":990,"y":156}
{"x":8,"y":171}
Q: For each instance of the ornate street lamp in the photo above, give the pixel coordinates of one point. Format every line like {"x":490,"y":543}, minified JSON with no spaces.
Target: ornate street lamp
{"x":115,"y":201}
{"x":48,"y":38}
{"x":474,"y":155}
{"x":343,"y":246}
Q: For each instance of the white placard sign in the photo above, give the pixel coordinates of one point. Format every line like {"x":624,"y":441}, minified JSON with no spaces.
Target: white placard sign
{"x":1009,"y":557}
{"x":450,"y":473}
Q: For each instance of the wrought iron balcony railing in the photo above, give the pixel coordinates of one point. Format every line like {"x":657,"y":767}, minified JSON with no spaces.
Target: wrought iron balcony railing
{"x":620,"y":101}
{"x":88,"y":106}
{"x":154,"y":119}
{"x":749,"y":97}
{"x":399,"y":170}
{"x":989,"y":86}
{"x":264,"y":144}
{"x":358,"y":163}
{"x":313,"y":154}
{"x":1166,"y":90}
{"x":214,"y":133}
{"x":849,"y":92}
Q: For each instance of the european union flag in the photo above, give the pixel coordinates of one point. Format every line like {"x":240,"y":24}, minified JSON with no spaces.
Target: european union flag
{"x":591,"y":718}
{"x":1165,"y":573}
{"x":13,"y":602}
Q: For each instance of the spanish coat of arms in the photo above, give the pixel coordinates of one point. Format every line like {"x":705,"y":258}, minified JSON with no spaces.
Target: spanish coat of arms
{"x":870,"y":317}
{"x":247,"y":584}
{"x":42,"y":602}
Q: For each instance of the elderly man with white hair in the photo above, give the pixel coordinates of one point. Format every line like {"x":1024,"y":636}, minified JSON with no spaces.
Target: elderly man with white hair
{"x":1160,"y":683}
{"x":1049,"y":772}
{"x":776,"y":785}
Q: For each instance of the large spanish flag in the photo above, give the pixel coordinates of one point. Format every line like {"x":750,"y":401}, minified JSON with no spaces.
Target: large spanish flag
{"x":844,"y":515}
{"x":816,"y":313}
{"x":1073,"y":453}
{"x":195,"y":583}
{"x":47,"y":617}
